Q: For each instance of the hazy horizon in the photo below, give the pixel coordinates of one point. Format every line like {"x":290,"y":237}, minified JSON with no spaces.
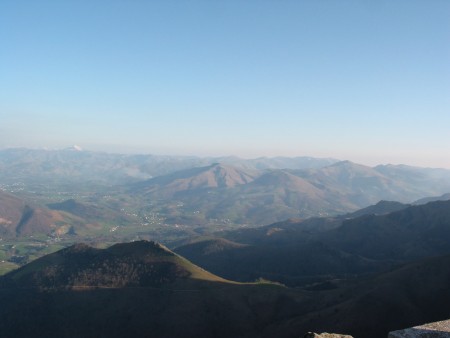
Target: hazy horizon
{"x":354,"y":80}
{"x":137,"y":151}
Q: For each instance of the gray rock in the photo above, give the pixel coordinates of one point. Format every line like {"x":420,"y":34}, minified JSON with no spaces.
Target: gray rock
{"x":325,"y":335}
{"x":431,"y":330}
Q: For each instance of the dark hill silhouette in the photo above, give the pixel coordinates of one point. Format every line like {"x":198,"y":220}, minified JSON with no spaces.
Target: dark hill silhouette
{"x":122,"y":265}
{"x":294,"y":264}
{"x":415,"y":232}
{"x":137,"y":289}
{"x":381,"y":208}
{"x":298,"y":252}
{"x":296,"y":229}
{"x":130,"y":290}
{"x":413,"y":294}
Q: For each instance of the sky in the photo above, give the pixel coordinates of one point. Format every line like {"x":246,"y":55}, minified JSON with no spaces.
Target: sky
{"x":361,"y":80}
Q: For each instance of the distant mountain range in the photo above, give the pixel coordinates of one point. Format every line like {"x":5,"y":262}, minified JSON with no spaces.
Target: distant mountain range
{"x":196,"y":191}
{"x":223,"y":192}
{"x":74,"y":165}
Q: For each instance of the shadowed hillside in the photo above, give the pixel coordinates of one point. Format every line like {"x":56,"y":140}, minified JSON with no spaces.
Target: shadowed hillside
{"x":317,"y":249}
{"x":121,"y":265}
{"x":137,"y":289}
{"x":142,"y":289}
{"x":414,"y":294}
{"x":415,"y":232}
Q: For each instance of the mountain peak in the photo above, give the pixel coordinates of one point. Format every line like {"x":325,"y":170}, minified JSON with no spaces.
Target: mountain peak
{"x":216,"y":175}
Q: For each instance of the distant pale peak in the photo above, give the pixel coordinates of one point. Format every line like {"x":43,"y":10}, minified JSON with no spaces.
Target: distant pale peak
{"x":75,"y":148}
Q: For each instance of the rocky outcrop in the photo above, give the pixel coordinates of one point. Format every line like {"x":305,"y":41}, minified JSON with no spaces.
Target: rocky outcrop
{"x":325,"y":335}
{"x":431,"y":330}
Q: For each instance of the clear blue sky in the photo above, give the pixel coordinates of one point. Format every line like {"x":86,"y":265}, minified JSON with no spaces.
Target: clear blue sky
{"x":367,"y":81}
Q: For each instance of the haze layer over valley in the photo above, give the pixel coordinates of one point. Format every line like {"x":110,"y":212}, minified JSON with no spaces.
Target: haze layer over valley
{"x":52,"y":198}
